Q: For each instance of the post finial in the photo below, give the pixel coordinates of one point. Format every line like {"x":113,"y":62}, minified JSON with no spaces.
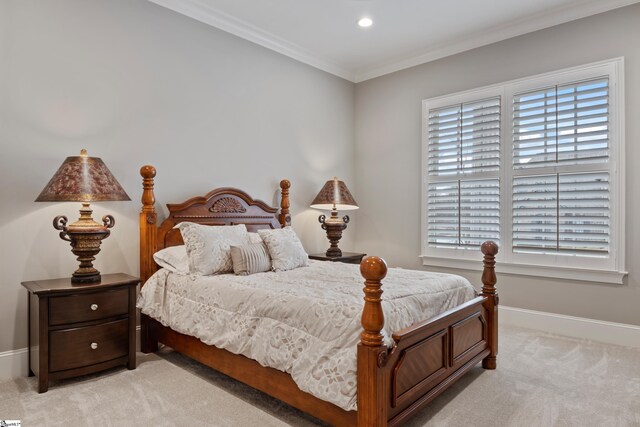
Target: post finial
{"x":148,"y":171}
{"x":148,"y":197}
{"x":490,"y":250}
{"x":373,"y":269}
{"x":284,"y":217}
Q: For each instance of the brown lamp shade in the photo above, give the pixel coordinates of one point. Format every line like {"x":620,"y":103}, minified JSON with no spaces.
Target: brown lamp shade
{"x":334,"y":194}
{"x":82,"y":179}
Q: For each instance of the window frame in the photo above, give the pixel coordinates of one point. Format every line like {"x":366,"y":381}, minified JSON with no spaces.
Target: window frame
{"x":591,"y":269}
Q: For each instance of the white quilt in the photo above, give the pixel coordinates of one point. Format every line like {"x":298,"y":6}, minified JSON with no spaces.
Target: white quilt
{"x":305,"y":321}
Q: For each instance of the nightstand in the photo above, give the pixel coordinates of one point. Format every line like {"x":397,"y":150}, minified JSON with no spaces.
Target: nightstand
{"x":347,"y":257}
{"x":77,"y":329}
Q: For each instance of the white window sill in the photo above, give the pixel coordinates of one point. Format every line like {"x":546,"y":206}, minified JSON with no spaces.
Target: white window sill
{"x":555,"y":272}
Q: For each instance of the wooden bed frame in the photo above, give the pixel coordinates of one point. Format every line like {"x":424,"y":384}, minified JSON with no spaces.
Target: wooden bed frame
{"x":393,"y":384}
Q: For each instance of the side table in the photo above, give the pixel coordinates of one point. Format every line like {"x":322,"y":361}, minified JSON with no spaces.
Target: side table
{"x":77,"y":329}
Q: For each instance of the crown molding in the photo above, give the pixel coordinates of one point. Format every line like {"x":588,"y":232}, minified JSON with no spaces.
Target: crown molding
{"x":209,"y":15}
{"x":546,"y":19}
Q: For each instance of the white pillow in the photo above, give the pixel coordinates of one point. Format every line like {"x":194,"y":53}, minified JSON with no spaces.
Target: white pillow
{"x":255,"y":238}
{"x":209,"y":247}
{"x":285,"y":249}
{"x":173,"y":258}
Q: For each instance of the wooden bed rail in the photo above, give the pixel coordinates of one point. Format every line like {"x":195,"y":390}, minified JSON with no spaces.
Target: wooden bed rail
{"x":462,"y":336}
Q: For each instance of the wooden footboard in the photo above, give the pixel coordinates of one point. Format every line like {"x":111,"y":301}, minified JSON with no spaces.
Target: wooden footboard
{"x":427,"y":357}
{"x":392,"y":383}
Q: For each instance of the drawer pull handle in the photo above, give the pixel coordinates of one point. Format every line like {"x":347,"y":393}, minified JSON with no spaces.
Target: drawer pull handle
{"x":94,"y":307}
{"x":94,"y":345}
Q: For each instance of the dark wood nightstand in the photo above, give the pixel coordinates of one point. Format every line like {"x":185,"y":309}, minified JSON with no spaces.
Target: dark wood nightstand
{"x":77,"y":329}
{"x":347,"y":257}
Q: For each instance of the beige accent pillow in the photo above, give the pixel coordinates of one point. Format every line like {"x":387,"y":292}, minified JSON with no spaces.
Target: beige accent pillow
{"x":250,"y":259}
{"x":285,"y":249}
{"x":209,"y":247}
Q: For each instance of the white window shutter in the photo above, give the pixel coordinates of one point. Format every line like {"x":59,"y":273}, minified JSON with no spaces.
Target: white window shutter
{"x":584,"y":213}
{"x":443,"y":214}
{"x":479,"y":212}
{"x":463,"y":210}
{"x":535,"y":213}
{"x":561,"y":213}
{"x":564,"y":124}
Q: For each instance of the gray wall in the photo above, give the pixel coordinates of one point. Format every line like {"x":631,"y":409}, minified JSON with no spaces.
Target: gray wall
{"x":137,"y":84}
{"x":388,"y":153}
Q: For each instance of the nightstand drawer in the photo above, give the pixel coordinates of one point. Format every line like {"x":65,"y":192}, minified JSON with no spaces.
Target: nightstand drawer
{"x":73,"y":348}
{"x":88,"y":306}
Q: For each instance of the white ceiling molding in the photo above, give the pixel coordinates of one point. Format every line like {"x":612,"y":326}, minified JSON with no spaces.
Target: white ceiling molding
{"x":225,"y":22}
{"x":206,"y":13}
{"x":512,"y":29}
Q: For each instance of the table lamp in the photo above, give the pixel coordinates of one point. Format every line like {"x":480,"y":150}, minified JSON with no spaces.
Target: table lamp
{"x":83,"y":179}
{"x":334,"y":196}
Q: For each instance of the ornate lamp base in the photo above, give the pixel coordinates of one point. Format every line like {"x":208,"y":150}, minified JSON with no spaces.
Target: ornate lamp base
{"x":334,"y":227}
{"x":85,"y":236}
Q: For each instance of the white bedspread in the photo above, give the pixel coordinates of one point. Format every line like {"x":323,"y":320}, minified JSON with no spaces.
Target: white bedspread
{"x":305,"y":322}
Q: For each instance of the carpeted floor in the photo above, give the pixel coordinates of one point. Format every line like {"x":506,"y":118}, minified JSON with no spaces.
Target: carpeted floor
{"x":541,"y":380}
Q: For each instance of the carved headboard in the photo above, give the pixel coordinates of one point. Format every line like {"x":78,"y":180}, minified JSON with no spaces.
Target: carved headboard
{"x":222,"y":206}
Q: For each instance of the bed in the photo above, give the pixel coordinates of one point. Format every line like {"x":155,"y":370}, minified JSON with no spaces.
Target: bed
{"x":394,"y":377}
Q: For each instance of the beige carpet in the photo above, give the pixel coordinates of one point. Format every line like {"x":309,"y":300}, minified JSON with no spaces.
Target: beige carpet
{"x":542,"y":380}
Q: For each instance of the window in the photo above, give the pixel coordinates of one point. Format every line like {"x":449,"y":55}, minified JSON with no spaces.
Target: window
{"x":534,"y":165}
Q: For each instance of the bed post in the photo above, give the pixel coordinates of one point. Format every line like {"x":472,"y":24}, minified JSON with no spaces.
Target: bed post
{"x":148,"y":234}
{"x":284,"y":217}
{"x":372,"y":353}
{"x":490,"y":250}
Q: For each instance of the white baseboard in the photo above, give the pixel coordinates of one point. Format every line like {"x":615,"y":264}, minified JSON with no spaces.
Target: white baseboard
{"x":15,"y":363}
{"x":577,"y":327}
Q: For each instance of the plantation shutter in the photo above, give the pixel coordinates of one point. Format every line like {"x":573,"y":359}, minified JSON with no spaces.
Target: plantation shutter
{"x":564,"y":126}
{"x":562,"y":213}
{"x":463,"y":160}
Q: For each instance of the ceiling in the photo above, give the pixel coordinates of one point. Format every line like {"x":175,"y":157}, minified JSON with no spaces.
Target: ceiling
{"x":325,"y":34}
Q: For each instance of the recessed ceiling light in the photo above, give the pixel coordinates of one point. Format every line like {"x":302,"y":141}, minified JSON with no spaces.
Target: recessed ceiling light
{"x":365,"y":22}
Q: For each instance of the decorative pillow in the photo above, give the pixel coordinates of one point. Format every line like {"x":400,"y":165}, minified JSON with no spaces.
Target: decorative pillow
{"x":285,"y":249}
{"x":173,"y":258}
{"x":255,"y":238}
{"x":209,"y":247}
{"x":250,"y":259}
